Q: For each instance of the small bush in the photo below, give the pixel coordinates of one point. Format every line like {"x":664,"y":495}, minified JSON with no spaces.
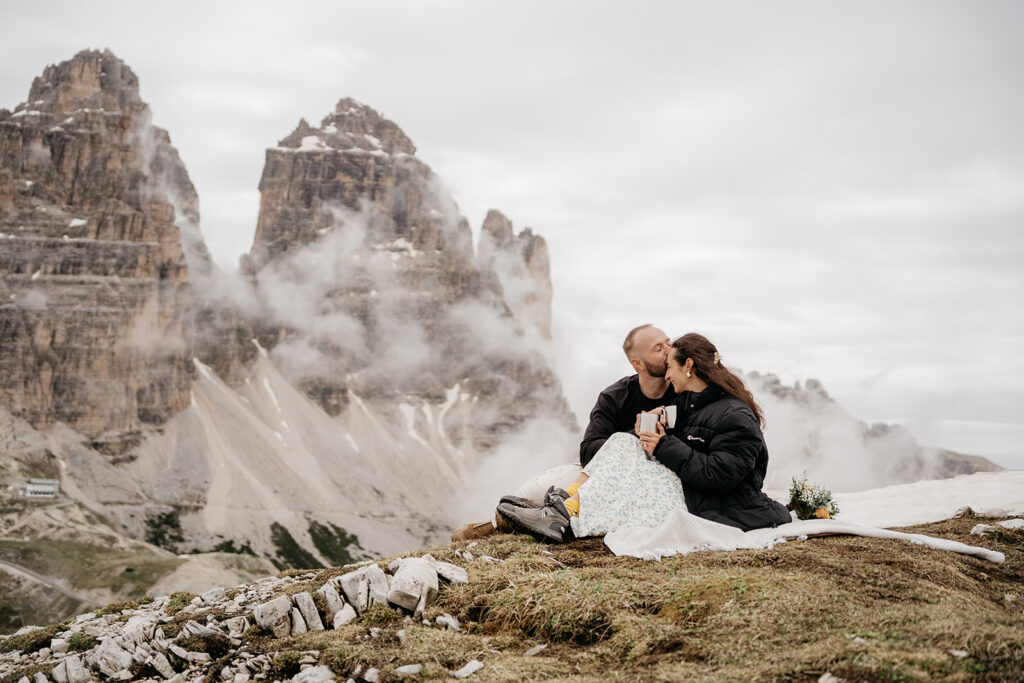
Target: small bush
{"x":80,"y":642}
{"x":177,"y":602}
{"x":285,"y":665}
{"x":116,"y":607}
{"x":380,"y":615}
{"x":28,"y":673}
{"x":214,"y":645}
{"x":33,"y":641}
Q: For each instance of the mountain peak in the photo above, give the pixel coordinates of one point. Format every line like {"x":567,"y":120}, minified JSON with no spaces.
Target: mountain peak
{"x":90,"y":80}
{"x":352,"y":126}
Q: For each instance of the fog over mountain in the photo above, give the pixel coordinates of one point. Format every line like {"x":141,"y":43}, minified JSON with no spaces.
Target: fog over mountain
{"x":847,"y":174}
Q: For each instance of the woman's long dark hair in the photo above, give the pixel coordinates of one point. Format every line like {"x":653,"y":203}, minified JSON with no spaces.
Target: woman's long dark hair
{"x":708,"y":366}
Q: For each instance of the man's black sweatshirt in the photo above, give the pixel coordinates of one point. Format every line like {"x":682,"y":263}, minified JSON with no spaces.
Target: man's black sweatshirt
{"x":615,"y":411}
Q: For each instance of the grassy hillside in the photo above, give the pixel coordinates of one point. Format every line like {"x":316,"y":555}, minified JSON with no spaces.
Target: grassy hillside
{"x":858,"y":608}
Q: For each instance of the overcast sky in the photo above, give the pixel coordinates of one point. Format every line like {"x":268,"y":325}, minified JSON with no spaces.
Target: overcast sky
{"x":826,"y":189}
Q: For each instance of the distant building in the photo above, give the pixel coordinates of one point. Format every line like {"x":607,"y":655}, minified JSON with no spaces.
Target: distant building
{"x":41,"y":488}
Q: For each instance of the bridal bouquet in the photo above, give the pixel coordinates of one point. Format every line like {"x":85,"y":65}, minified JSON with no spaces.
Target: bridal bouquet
{"x":810,"y":501}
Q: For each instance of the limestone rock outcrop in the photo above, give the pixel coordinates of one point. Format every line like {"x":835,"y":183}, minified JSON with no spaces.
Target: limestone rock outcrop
{"x":95,"y":329}
{"x":397,"y":303}
{"x":523,"y":268}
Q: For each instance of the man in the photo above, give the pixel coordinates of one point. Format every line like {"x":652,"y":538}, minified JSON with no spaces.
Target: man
{"x":646,"y":348}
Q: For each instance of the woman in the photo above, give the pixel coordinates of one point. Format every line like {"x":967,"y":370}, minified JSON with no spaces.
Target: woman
{"x":713,"y":462}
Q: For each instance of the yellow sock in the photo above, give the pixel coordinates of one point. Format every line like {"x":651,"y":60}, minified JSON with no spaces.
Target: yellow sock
{"x":573,"y":506}
{"x":573,"y":488}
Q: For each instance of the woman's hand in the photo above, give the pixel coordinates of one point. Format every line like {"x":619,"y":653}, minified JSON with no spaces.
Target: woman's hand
{"x":649,"y":440}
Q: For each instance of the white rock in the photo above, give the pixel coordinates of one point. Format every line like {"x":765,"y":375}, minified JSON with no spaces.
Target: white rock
{"x":408,"y":670}
{"x":304,"y":601}
{"x":414,"y":586}
{"x":111,"y":658}
{"x":982,"y":529}
{"x":24,"y":679}
{"x":275,"y":615}
{"x":534,"y":651}
{"x":372,"y":675}
{"x":178,"y":651}
{"x":60,"y":672}
{"x":959,"y":654}
{"x":346,"y":616}
{"x":332,"y":601}
{"x":76,"y":673}
{"x":298,"y":623}
{"x":448,"y":621}
{"x":160,"y":663}
{"x":213,"y":596}
{"x":237,"y":625}
{"x":829,"y":678}
{"x":58,"y":646}
{"x":314,"y":674}
{"x":452,"y":573}
{"x":40,"y":677}
{"x":471,"y":668}
{"x":241,"y":677}
{"x":402,"y":636}
{"x":1012,"y":524}
{"x":365,"y":587}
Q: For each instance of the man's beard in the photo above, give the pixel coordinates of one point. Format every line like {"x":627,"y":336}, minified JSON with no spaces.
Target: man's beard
{"x":656,"y":370}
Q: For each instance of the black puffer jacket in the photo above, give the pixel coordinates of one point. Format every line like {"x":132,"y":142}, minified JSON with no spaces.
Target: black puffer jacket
{"x":718,"y":451}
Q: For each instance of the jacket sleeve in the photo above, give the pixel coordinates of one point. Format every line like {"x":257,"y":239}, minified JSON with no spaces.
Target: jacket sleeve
{"x":602,"y":425}
{"x":731,"y":455}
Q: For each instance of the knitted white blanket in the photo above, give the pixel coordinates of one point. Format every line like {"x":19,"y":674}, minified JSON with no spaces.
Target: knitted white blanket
{"x":683,"y":533}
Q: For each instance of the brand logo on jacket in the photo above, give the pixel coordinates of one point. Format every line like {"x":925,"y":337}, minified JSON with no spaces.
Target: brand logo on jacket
{"x":694,"y":438}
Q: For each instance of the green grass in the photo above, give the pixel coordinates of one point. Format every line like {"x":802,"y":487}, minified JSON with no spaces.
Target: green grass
{"x":125,"y":572}
{"x":178,"y":601}
{"x":33,"y":640}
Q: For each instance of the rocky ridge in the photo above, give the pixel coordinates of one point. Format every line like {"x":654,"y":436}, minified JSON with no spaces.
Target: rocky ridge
{"x":808,"y":432}
{"x":94,"y":317}
{"x":178,"y":637}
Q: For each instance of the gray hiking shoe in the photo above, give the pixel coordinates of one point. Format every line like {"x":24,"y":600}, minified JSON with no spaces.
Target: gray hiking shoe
{"x":556,"y":495}
{"x":550,"y":522}
{"x":517,"y":501}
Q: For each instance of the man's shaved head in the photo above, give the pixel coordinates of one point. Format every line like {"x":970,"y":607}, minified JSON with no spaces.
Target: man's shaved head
{"x":627,"y":346}
{"x":647,"y":347}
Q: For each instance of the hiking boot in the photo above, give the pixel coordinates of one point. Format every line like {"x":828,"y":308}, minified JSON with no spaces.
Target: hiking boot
{"x":469,"y":532}
{"x":550,"y":522}
{"x":517,"y":501}
{"x":556,"y":495}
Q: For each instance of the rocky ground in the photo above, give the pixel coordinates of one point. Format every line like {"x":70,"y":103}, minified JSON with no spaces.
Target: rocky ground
{"x":509,"y":607}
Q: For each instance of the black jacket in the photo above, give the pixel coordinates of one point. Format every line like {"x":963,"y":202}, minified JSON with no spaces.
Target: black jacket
{"x":615,"y":411}
{"x":718,"y":451}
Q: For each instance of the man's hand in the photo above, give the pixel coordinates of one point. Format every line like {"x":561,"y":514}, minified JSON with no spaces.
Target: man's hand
{"x":657,"y":411}
{"x":649,"y":440}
